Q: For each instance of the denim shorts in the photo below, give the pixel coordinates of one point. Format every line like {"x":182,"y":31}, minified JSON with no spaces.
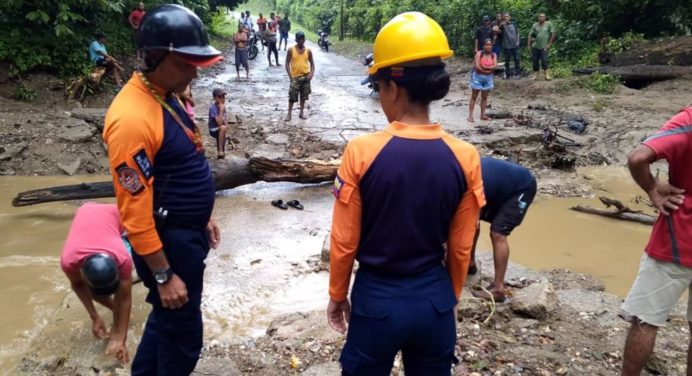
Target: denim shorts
{"x":482,"y":82}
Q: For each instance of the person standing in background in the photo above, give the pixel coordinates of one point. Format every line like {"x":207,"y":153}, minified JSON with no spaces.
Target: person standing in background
{"x":497,"y":34}
{"x":284,"y":28}
{"x":247,"y":22}
{"x":240,"y":39}
{"x":484,"y":32}
{"x":484,"y":64}
{"x":270,"y":37}
{"x":261,"y":27}
{"x":300,"y":67}
{"x":541,"y":38}
{"x":510,"y":45}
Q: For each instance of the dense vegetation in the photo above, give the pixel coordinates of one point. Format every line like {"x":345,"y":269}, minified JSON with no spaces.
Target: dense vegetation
{"x":54,"y":35}
{"x":581,"y":24}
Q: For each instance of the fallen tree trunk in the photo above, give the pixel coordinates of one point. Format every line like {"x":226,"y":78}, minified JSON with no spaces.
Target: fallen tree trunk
{"x":646,"y":73}
{"x":665,"y":51}
{"x":622,"y":215}
{"x":228,"y":173}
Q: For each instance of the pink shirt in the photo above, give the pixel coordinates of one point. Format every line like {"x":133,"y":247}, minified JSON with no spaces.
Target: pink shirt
{"x":95,"y":229}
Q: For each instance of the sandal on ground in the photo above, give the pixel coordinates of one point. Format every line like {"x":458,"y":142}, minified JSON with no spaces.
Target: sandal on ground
{"x":295,"y":204}
{"x":221,"y":156}
{"x":473,"y":269}
{"x":496,"y":296}
{"x":279,"y":204}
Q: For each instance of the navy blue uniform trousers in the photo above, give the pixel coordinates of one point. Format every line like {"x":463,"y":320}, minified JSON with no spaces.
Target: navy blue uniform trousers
{"x":172,"y":338}
{"x":411,"y":314}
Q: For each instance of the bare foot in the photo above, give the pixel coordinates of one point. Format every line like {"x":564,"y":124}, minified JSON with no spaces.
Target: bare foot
{"x":486,"y":118}
{"x":470,"y":120}
{"x":302,"y":116}
{"x":288,"y":118}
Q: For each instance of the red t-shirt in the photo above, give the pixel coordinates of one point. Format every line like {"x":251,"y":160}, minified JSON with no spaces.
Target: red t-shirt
{"x":262,"y":24}
{"x":96,"y":229}
{"x":136,"y":16}
{"x":673,"y":142}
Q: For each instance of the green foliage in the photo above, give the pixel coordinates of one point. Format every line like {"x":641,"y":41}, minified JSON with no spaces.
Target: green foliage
{"x":580,"y":24}
{"x":617,"y":45}
{"x":54,"y":35}
{"x":221,"y":25}
{"x":23,"y":93}
{"x":602,"y":83}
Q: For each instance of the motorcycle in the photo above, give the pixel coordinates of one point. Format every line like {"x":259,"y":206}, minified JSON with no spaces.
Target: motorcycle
{"x":323,"y":40}
{"x":367,"y":61}
{"x":253,"y":50}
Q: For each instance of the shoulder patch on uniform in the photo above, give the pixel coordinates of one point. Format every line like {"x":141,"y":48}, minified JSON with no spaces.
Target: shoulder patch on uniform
{"x":338,"y":184}
{"x":129,"y":179}
{"x":144,"y":164}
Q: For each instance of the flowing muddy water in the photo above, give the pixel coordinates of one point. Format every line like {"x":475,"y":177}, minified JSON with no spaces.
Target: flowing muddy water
{"x":260,"y":269}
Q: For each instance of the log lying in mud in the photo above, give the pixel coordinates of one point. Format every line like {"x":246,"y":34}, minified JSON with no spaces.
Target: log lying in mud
{"x":622,"y":215}
{"x":645,"y":73}
{"x":228,"y":173}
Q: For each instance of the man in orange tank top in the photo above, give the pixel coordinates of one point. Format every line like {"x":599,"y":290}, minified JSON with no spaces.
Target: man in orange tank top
{"x":300,"y":73}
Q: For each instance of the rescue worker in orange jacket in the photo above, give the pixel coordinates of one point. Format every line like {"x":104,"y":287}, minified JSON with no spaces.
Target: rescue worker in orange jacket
{"x":164,"y":187}
{"x":401,"y":194}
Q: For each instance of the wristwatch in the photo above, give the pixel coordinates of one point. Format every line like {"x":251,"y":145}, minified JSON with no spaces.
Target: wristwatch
{"x":163,"y":275}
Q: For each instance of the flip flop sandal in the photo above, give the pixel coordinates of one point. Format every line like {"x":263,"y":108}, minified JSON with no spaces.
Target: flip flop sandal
{"x":279,"y":204}
{"x":295,"y":204}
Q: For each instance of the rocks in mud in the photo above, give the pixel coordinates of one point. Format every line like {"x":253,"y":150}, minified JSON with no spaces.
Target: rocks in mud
{"x":9,"y":151}
{"x":216,"y":366}
{"x":70,"y":168}
{"x":537,"y":300}
{"x":94,"y":116}
{"x":498,"y":114}
{"x":278,"y":139}
{"x":76,"y":131}
{"x":331,"y":368}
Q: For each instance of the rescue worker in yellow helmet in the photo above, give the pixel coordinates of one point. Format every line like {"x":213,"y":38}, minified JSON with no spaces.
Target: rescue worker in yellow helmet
{"x":401,"y":194}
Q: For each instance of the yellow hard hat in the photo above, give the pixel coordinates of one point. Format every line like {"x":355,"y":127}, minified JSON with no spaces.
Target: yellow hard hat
{"x":407,"y":37}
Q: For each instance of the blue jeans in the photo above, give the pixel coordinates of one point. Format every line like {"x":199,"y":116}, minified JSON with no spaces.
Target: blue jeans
{"x":172,"y":338}
{"x":539,"y":56}
{"x":412,"y":314}
{"x":497,"y":49}
{"x":512,"y":54}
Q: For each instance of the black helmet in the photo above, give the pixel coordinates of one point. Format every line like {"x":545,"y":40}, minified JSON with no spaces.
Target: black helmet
{"x":101,"y":274}
{"x":175,"y":28}
{"x":300,"y":35}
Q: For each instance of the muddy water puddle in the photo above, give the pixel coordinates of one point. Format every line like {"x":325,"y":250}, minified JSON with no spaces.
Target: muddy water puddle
{"x":263,"y":267}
